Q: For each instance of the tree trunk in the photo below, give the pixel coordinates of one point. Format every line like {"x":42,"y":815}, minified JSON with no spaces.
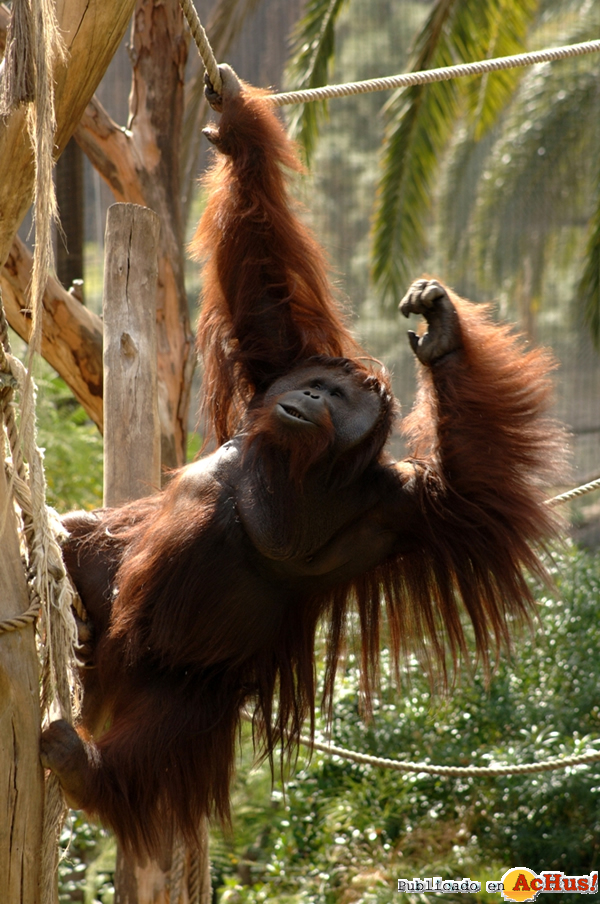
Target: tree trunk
{"x":70,"y":199}
{"x":92,"y":31}
{"x":131,"y":463}
{"x":141,"y":165}
{"x":131,"y":426}
{"x":71,"y":334}
{"x":131,"y":435}
{"x":21,"y":776}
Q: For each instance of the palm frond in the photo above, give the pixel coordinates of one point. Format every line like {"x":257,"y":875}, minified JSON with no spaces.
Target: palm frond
{"x":411,"y":151}
{"x":589,"y":286}
{"x":409,"y":156}
{"x":500,"y":29}
{"x":539,"y":167}
{"x":421,"y":120}
{"x":310,"y":63}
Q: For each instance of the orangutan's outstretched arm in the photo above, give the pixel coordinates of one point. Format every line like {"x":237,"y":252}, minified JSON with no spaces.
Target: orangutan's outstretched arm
{"x":484,"y":454}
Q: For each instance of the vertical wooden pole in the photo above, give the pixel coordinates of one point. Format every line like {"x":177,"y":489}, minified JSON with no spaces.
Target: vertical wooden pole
{"x":21,"y":775}
{"x":131,"y":425}
{"x":132,"y":443}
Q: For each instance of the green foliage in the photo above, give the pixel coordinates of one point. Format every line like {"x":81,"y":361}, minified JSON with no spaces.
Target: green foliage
{"x":511,"y":156}
{"x":310,"y":65}
{"x":346,"y":832}
{"x":72,"y":444}
{"x":528,"y":183}
{"x":518,"y":207}
{"x":421,"y":120}
{"x":86,"y":870}
{"x":589,"y":286}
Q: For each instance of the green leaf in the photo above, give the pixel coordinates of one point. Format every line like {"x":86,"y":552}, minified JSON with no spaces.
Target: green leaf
{"x":589,"y":286}
{"x":310,"y":64}
{"x":539,"y":166}
{"x":487,"y":31}
{"x":72,"y":444}
{"x":418,"y":126}
{"x":421,"y":120}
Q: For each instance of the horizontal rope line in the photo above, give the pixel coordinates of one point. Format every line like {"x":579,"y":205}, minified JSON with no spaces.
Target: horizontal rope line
{"x":591,"y":756}
{"x":21,"y":621}
{"x":435,"y":75}
{"x":573,"y":494}
{"x":405,"y":766}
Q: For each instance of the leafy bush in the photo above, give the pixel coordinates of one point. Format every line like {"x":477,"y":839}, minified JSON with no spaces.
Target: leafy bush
{"x":346,"y":832}
{"x":72,"y":445}
{"x":86,"y":870}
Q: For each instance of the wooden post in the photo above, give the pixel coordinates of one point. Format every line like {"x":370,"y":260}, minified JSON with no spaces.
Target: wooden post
{"x":131,"y":432}
{"x":132,"y":441}
{"x":21,"y":775}
{"x":131,"y":425}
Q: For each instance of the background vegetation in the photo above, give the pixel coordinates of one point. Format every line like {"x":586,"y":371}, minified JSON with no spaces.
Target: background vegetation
{"x":347,"y":832}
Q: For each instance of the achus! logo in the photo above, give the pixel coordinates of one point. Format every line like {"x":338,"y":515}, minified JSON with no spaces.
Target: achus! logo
{"x":522,"y":884}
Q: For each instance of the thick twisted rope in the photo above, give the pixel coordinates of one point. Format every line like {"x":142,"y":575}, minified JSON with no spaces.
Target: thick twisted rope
{"x":194,"y":877}
{"x":573,"y":494}
{"x":185,"y":873}
{"x":177,"y":870}
{"x":443,"y":74}
{"x":202,"y":43}
{"x":21,"y":621}
{"x":550,"y":765}
{"x":385,"y":84}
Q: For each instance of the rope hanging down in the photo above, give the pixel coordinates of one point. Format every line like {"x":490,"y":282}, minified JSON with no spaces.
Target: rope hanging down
{"x":202,"y":43}
{"x":385,"y":84}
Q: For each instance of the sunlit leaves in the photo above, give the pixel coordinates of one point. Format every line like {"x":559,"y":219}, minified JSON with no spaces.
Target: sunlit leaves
{"x":421,"y":120}
{"x":534,"y":175}
{"x":310,"y":65}
{"x":589,"y":287}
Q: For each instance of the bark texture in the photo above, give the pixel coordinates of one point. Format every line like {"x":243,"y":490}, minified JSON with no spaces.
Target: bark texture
{"x":71,"y":334}
{"x":141,"y":166}
{"x":92,"y":31}
{"x":21,"y":777}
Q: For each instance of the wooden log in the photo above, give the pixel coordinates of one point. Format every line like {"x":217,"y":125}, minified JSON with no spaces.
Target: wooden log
{"x":132,"y":452}
{"x":21,"y":775}
{"x":92,"y":31}
{"x":71,"y":333}
{"x":131,"y":422}
{"x":141,"y":164}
